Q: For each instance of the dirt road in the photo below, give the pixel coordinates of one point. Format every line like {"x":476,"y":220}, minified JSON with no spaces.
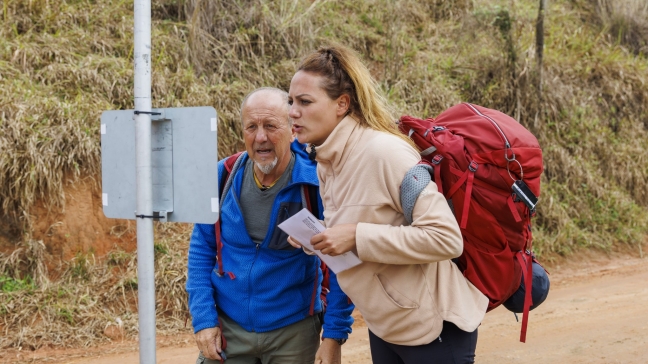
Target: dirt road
{"x":596,"y":312}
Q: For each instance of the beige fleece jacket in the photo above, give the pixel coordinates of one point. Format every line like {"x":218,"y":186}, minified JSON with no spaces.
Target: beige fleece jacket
{"x":406,"y":286}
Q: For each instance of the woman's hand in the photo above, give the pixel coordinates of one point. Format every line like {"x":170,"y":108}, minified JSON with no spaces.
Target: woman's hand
{"x":336,"y":240}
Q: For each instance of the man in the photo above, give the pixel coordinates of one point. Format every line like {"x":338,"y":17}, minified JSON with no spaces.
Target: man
{"x":265,"y":304}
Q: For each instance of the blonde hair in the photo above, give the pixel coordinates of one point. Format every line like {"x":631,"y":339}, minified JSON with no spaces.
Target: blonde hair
{"x":344,"y":73}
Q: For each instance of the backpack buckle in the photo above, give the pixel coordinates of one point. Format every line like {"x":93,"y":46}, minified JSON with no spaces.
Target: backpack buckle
{"x":437,"y":159}
{"x":473,"y":166}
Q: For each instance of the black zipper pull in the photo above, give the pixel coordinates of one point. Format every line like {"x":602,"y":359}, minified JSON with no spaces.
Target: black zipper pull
{"x":312,"y":153}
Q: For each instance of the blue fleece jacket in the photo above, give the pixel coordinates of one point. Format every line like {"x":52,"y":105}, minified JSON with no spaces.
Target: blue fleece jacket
{"x":273,"y":283}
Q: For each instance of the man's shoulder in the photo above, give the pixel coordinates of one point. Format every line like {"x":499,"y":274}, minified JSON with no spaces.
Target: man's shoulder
{"x":305,"y":171}
{"x":230,"y":160}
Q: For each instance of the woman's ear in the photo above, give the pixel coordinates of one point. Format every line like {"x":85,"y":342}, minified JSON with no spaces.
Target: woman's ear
{"x":343,"y":105}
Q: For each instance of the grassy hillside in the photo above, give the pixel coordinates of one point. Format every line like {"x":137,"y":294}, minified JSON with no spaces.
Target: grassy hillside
{"x":63,"y":62}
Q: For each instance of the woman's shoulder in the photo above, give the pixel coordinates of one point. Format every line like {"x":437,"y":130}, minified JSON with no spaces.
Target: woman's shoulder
{"x":389,"y":146}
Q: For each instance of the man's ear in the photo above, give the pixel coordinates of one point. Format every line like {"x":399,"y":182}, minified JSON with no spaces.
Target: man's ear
{"x":343,"y":105}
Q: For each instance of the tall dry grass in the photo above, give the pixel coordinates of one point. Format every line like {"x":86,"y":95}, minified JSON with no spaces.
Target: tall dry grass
{"x":626,"y":23}
{"x":63,"y":62}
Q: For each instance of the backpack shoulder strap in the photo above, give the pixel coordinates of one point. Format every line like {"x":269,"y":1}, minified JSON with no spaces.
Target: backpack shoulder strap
{"x":232,"y":164}
{"x":414,"y":182}
{"x":231,"y":160}
{"x":310,"y":193}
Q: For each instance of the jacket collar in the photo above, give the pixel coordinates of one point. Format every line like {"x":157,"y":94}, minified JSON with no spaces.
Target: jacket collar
{"x":338,"y":146}
{"x":305,"y":170}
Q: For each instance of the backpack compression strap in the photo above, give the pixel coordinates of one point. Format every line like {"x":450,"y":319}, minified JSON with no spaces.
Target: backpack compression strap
{"x":232,"y":164}
{"x":526,"y":262}
{"x":468,"y":177}
{"x":309,"y":196}
{"x":418,"y":177}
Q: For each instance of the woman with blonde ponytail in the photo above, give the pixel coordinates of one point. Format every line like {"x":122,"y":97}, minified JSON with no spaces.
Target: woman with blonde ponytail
{"x":418,"y":306}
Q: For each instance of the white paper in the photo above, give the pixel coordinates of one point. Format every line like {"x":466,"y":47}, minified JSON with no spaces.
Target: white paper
{"x":103,"y":128}
{"x":104,"y":199}
{"x":303,"y":226}
{"x":214,"y":204}
{"x":213,"y":124}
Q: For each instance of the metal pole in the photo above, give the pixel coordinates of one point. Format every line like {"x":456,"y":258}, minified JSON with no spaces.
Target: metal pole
{"x":145,"y":252}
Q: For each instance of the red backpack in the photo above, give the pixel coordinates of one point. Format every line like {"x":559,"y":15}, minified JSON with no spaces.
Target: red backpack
{"x":488,"y":167}
{"x":311,"y":193}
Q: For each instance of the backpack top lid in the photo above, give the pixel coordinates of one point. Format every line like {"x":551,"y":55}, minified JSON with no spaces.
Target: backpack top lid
{"x":539,"y":291}
{"x":487,"y":136}
{"x":486,"y":129}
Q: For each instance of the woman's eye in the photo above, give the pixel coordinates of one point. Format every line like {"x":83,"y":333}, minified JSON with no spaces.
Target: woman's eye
{"x":290,"y":102}
{"x":305,"y":102}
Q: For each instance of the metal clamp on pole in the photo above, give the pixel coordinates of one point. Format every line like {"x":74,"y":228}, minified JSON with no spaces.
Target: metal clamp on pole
{"x":157,"y":215}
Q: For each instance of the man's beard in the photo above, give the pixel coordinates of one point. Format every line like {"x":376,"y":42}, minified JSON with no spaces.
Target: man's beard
{"x":267,"y":168}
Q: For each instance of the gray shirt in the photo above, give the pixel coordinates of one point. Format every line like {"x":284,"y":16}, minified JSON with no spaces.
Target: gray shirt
{"x":256,"y":205}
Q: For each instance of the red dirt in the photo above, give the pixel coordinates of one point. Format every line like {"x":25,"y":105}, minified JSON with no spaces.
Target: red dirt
{"x":595,"y":313}
{"x":80,"y":227}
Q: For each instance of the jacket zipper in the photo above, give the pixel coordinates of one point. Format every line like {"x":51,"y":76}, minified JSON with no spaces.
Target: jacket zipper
{"x":506,"y":141}
{"x":256,"y":255}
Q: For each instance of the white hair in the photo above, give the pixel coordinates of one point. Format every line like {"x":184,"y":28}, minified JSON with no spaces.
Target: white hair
{"x":281,"y":92}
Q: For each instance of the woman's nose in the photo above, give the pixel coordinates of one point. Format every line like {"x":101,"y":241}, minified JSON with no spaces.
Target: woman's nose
{"x":293,"y":113}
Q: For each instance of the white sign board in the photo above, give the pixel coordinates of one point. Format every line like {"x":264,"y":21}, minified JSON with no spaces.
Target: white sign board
{"x":184,"y":164}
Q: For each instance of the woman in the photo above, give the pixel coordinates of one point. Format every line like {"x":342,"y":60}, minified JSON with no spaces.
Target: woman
{"x":418,"y":306}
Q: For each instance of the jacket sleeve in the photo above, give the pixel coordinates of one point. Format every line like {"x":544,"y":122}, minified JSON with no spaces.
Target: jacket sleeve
{"x":337,"y":318}
{"x":433,"y":236}
{"x":201,"y":262}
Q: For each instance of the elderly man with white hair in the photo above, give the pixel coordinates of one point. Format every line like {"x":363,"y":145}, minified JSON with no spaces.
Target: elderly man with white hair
{"x":253,"y":297}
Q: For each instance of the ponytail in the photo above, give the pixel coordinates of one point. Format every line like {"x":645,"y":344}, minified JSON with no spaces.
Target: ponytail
{"x":344,"y":73}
